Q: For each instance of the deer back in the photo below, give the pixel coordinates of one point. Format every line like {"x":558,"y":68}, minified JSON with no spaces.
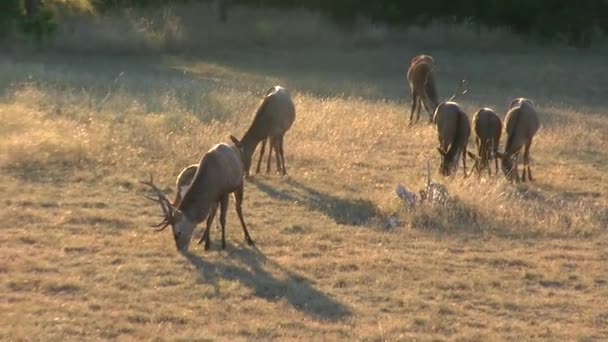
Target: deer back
{"x":220,"y":172}
{"x":452,"y":123}
{"x":425,"y":58}
{"x":487,"y":125}
{"x":275,"y":115}
{"x":521,"y":124}
{"x":518,"y":101}
{"x":453,"y":130}
{"x":422,"y":79}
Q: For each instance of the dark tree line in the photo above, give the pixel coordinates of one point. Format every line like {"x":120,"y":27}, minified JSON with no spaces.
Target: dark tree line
{"x":576,"y":22}
{"x":573,"y":21}
{"x":30,"y":16}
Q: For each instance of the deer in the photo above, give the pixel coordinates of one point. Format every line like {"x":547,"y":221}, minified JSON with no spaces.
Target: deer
{"x":453,"y":131}
{"x":487,"y":126}
{"x":521,"y":124}
{"x":273,"y":118}
{"x":219,"y":174}
{"x":422,"y":85}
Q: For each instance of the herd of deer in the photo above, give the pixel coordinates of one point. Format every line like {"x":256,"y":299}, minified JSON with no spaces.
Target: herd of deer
{"x":454,"y":128}
{"x":202,"y":187}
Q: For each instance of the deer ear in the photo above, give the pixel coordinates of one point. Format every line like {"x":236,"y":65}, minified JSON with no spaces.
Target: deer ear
{"x":442,"y":152}
{"x":234,"y":139}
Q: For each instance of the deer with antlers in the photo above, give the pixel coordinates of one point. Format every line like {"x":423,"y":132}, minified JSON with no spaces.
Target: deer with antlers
{"x":219,"y":174}
{"x":453,"y":131}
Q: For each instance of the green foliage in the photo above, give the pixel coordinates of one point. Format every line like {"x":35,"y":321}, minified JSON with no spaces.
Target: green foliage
{"x":39,"y":25}
{"x":13,"y":16}
{"x":573,"y":22}
{"x":10,"y":10}
{"x":565,"y":20}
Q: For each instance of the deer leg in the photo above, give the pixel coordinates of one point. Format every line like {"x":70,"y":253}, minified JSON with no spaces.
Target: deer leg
{"x":210,"y":218}
{"x":464,"y":161}
{"x":495,"y":149}
{"x":420,"y":105}
{"x":524,"y":172}
{"x":414,"y":102}
{"x":277,"y":152}
{"x":429,"y":111}
{"x":271,"y":144}
{"x":515,"y":169}
{"x":238,"y":198}
{"x":261,"y":155}
{"x":280,"y":144}
{"x":487,"y":157}
{"x":223,"y":210}
{"x":527,"y":159}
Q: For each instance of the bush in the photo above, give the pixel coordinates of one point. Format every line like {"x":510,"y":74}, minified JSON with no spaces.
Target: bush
{"x":10,"y":11}
{"x":38,"y":24}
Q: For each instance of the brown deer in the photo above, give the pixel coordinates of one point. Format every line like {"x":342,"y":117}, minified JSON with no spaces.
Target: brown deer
{"x":420,"y":76}
{"x":273,"y":119}
{"x":453,"y":131}
{"x":521,"y":124}
{"x":220,"y":173}
{"x":487,"y":126}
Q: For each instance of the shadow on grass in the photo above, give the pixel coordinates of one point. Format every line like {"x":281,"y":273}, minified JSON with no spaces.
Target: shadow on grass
{"x":251,"y":271}
{"x":354,"y":212}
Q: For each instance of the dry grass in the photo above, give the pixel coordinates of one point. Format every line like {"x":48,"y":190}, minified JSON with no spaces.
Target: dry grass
{"x":502,"y":262}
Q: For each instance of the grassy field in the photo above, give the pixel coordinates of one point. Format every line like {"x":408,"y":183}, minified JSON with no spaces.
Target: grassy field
{"x":103,"y":107}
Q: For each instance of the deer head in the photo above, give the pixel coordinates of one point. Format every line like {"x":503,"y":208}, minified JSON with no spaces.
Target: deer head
{"x":447,"y":163}
{"x":507,"y":164}
{"x":243,"y":154}
{"x":478,"y":163}
{"x":182,"y":227}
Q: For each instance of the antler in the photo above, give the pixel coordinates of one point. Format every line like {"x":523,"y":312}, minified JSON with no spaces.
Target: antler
{"x":460,"y":85}
{"x":164,"y":203}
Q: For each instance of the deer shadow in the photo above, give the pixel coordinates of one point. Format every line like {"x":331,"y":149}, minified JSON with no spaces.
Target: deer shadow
{"x":249,"y":266}
{"x":355,"y":212}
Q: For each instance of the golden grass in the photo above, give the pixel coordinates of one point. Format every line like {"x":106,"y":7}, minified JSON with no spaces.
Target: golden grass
{"x":501,"y":262}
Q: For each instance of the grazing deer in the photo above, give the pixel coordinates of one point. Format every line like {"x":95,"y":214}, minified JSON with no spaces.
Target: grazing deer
{"x":273,"y":119}
{"x":220,"y":173}
{"x":487,"y":126}
{"x":453,"y":131}
{"x":422,"y":84}
{"x":521,"y":124}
